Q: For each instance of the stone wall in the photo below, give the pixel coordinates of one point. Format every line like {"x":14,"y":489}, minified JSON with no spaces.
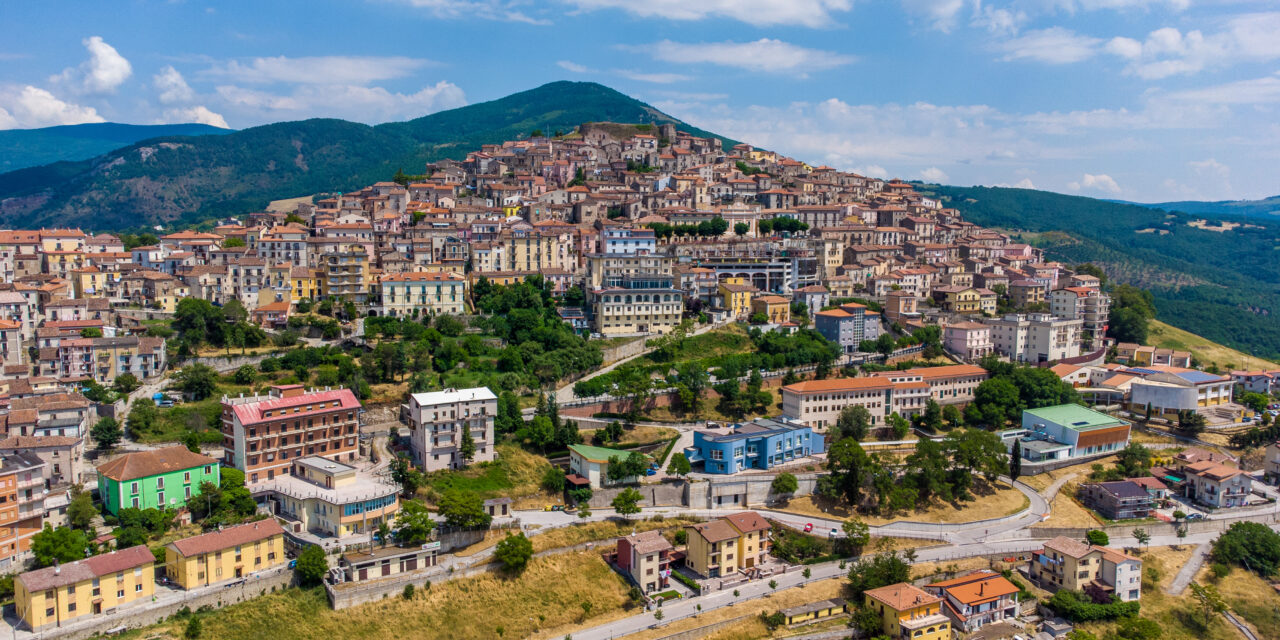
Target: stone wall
{"x":744,"y":491}
{"x":703,"y":631}
{"x":667,"y":494}
{"x":624,"y":350}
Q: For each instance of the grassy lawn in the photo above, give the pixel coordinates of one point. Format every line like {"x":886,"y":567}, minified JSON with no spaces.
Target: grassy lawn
{"x":991,"y":502}
{"x":579,"y":533}
{"x":603,"y":530}
{"x":640,"y":435}
{"x":516,"y":474}
{"x":727,"y":340}
{"x":1171,"y":337}
{"x":549,"y":594}
{"x":1066,"y":511}
{"x":749,"y":628}
{"x":710,"y":412}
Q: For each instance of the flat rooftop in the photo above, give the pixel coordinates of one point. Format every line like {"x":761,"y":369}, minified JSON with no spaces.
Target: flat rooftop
{"x":1074,"y":416}
{"x":324,"y":464}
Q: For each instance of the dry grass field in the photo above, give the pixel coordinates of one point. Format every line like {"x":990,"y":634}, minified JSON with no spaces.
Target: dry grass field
{"x":1171,"y":337}
{"x":548,"y":595}
{"x":639,"y":435}
{"x":1065,"y":511}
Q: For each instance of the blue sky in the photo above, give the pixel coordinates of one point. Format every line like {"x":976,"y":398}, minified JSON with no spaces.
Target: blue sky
{"x":1145,"y":100}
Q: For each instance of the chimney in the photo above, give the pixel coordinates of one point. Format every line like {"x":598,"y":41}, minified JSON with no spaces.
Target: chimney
{"x":57,"y":568}
{"x":982,"y":587}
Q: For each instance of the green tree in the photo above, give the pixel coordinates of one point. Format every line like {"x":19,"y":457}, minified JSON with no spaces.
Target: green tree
{"x":62,"y":544}
{"x":553,"y":480}
{"x":1097,"y":537}
{"x":514,"y":552}
{"x":193,"y":628}
{"x":80,"y":512}
{"x":1015,"y":460}
{"x":1142,"y":537}
{"x":856,"y":536}
{"x":467,"y":448}
{"x":1211,"y":602}
{"x":847,"y":464}
{"x":854,"y":422}
{"x":463,"y":509}
{"x":877,"y":571}
{"x":198,"y":380}
{"x":741,"y":228}
{"x":627,"y":502}
{"x":107,"y":433}
{"x":885,"y":344}
{"x":405,"y":475}
{"x":785,"y":484}
{"x":1251,"y":545}
{"x":679,"y":465}
{"x":413,"y":525}
{"x":246,"y":374}
{"x":311,"y":565}
{"x":1134,"y":460}
{"x":125,"y":383}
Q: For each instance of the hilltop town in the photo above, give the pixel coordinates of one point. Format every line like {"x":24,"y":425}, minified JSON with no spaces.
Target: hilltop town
{"x":686,"y":379}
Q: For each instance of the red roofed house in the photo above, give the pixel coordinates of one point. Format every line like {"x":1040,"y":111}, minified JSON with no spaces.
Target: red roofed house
{"x":261,"y":435}
{"x":977,"y":599}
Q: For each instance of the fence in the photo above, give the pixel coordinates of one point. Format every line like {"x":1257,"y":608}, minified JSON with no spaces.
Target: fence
{"x":1156,"y":528}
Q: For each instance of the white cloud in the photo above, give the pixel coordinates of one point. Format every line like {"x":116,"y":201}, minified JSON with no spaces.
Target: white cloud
{"x":197,"y":114}
{"x":102,"y":73}
{"x":807,"y":13}
{"x":1054,"y":45}
{"x":354,"y":102}
{"x":568,"y":65}
{"x":997,"y":21}
{"x":504,"y":10}
{"x":1210,"y":168}
{"x":765,"y":54}
{"x":934,"y":174}
{"x":940,"y":14}
{"x":1168,"y":51}
{"x":656,"y":78}
{"x":872,"y":171}
{"x":1024,"y":183}
{"x":30,"y":107}
{"x":1257,"y":91}
{"x":1100,"y":182}
{"x":172,"y":86}
{"x":326,"y":70}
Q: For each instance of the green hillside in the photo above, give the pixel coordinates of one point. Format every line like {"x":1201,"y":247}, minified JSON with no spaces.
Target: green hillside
{"x":187,"y":180}
{"x":21,"y":148}
{"x":1264,"y":207}
{"x":1223,"y":285}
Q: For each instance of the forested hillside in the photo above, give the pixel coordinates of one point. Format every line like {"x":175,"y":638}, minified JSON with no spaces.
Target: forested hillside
{"x":21,"y":148}
{"x":187,"y":180}
{"x":1223,"y":285}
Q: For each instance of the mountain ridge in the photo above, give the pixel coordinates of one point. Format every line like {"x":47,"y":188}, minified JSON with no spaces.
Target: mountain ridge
{"x":22,"y":148}
{"x":186,"y":181}
{"x":1269,"y":206}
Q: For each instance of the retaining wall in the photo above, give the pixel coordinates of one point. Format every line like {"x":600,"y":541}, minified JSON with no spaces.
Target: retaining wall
{"x":705,"y":630}
{"x":1156,"y":528}
{"x":135,"y":617}
{"x":667,"y":494}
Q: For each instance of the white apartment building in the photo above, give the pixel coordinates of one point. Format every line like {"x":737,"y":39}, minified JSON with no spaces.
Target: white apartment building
{"x":422,"y":294}
{"x":1037,"y":337}
{"x":817,"y":403}
{"x":436,"y":421}
{"x":1082,"y":303}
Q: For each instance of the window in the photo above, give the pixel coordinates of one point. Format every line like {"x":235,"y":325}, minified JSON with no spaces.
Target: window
{"x":137,"y":588}
{"x":133,"y":487}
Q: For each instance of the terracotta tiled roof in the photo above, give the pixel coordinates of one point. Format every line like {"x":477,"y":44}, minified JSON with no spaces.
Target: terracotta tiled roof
{"x":149,"y":463}
{"x":229,"y":537}
{"x":902,"y":596}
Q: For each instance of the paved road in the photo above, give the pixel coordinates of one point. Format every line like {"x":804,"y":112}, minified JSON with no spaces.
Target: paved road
{"x":757,"y":589}
{"x":1188,"y":571}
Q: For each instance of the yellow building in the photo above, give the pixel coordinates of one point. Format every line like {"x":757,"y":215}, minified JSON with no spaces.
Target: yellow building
{"x":229,"y":554}
{"x":722,"y":547}
{"x":736,"y":297}
{"x":306,"y":286}
{"x":776,"y":308}
{"x":815,"y":611}
{"x":88,"y":282}
{"x":346,"y":274}
{"x":49,"y":597}
{"x":907,"y":611}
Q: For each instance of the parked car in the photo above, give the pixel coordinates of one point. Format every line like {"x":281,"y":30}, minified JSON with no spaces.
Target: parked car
{"x":808,"y":527}
{"x":1195,"y":516}
{"x":651,"y":471}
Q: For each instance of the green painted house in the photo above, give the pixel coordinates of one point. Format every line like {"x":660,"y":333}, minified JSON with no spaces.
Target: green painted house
{"x":162,"y":478}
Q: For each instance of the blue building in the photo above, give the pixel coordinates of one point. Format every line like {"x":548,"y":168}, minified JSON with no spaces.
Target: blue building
{"x":762,"y":444}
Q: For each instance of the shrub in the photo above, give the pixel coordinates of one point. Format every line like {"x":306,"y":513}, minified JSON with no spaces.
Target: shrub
{"x":1097,"y":537}
{"x":408,"y":592}
{"x":1077,"y":607}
